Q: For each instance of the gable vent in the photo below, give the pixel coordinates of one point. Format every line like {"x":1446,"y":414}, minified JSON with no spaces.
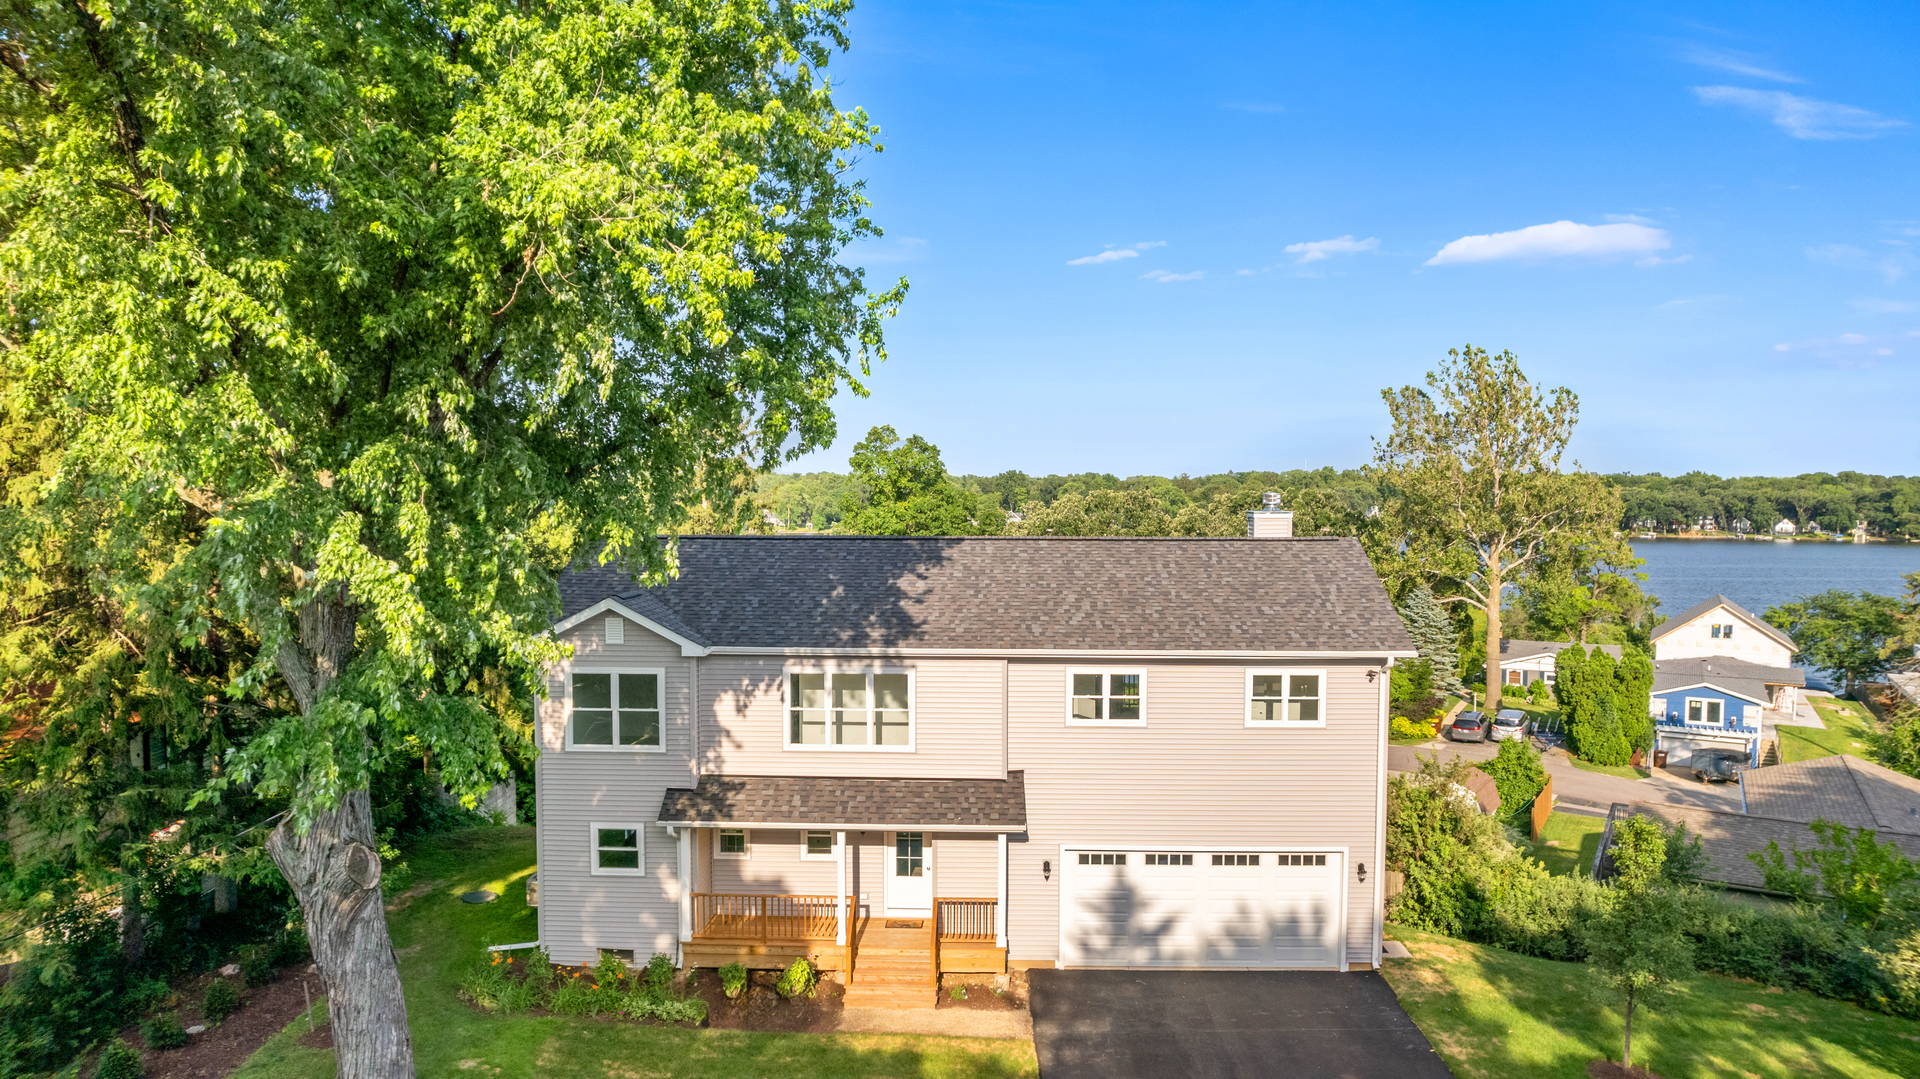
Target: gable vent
{"x":616,"y":629}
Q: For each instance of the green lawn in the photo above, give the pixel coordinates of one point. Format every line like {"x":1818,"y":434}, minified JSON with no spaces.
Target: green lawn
{"x":1848,"y":725}
{"x":1578,"y":839}
{"x":1497,"y":1014}
{"x":438,"y":938}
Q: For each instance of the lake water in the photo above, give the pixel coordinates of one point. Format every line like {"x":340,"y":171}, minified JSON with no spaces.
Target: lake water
{"x":1758,"y":574}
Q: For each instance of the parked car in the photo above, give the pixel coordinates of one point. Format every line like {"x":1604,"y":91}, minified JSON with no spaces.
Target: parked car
{"x":1718,"y":767}
{"x":1511,"y":723}
{"x":1468,"y":727}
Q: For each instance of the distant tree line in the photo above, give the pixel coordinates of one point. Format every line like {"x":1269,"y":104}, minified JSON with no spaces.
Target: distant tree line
{"x":1889,"y":504}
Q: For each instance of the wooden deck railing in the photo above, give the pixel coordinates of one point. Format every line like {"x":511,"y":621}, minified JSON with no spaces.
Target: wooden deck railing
{"x":739,"y":916}
{"x":967,"y":919}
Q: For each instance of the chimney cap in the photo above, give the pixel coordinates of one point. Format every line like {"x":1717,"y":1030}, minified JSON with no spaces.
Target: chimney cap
{"x":1270,"y":500}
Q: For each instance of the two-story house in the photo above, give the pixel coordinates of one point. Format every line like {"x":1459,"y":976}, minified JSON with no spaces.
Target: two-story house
{"x":905,"y":756}
{"x":1718,"y":670}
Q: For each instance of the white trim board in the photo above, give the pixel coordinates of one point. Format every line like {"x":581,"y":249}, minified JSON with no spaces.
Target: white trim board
{"x":688,"y":647}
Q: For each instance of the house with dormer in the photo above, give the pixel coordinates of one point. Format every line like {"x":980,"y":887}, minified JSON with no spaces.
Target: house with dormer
{"x":1718,"y":671}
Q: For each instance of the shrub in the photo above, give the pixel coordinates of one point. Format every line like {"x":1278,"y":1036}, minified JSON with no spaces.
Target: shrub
{"x":659,"y":974}
{"x":798,"y":978}
{"x":1517,"y":772}
{"x":221,"y":1001}
{"x":610,"y":970}
{"x":733,"y":980}
{"x":574,"y":996}
{"x":119,"y":1061}
{"x":483,"y":983}
{"x":290,"y":947}
{"x":517,"y":997}
{"x":257,"y":966}
{"x":539,"y":968}
{"x":67,"y":992}
{"x":164,"y":1032}
{"x":1402,"y":727}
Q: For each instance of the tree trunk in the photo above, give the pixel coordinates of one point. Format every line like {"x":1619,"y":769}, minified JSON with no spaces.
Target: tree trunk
{"x":133,"y":919}
{"x":335,"y":874}
{"x":1493,"y":634}
{"x":1626,"y":1048}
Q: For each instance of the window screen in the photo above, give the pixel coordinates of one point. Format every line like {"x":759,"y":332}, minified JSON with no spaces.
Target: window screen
{"x":617,"y":848}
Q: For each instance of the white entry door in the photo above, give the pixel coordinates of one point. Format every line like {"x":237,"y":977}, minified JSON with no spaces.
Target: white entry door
{"x":909,"y":872}
{"x":1199,"y":908}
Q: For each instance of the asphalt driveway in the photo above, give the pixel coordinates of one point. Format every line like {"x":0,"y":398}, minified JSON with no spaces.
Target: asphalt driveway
{"x":1303,"y":1024}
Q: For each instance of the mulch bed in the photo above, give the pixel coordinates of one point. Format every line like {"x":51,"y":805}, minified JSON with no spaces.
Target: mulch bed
{"x":980,"y":995}
{"x":760,"y":1008}
{"x":1607,"y":1069}
{"x":219,"y":1051}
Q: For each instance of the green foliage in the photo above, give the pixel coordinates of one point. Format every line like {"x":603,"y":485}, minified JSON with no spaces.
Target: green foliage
{"x":611,"y":970}
{"x":1434,"y":635}
{"x":119,"y":1061}
{"x":257,"y":966}
{"x":220,"y":1001}
{"x":574,"y":995}
{"x":1889,"y":504}
{"x":539,"y":968}
{"x":733,"y":980}
{"x":1850,"y":633}
{"x":1129,"y":512}
{"x":1856,"y":872}
{"x":800,"y":977}
{"x":659,"y":972}
{"x":1402,"y":727}
{"x":69,"y":992}
{"x":1538,"y":692}
{"x":1577,"y":587}
{"x":1638,"y":854}
{"x":1411,"y":680}
{"x":1640,"y":950}
{"x":1517,"y":773}
{"x":909,"y":493}
{"x":1604,"y":702}
{"x":164,"y":1032}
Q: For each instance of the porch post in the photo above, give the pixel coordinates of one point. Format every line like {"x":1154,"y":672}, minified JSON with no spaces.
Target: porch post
{"x":1000,"y":908}
{"x":840,"y":892}
{"x":686,"y":883}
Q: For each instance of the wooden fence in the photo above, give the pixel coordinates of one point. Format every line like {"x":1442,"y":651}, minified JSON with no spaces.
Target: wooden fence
{"x":1542,"y":808}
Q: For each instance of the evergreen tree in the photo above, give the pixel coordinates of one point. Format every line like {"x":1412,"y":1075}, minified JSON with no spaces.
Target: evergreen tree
{"x":1633,"y":689}
{"x":1569,"y":680}
{"x":1432,"y":633}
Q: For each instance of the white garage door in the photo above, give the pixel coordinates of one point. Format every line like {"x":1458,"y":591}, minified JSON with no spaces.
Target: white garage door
{"x":1197,"y":908}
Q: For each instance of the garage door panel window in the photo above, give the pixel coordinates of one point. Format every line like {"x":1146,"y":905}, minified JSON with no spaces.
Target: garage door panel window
{"x":1236,"y":859}
{"x":1105,"y":699}
{"x":616,"y":710}
{"x":850,"y":710}
{"x":1286,"y":697}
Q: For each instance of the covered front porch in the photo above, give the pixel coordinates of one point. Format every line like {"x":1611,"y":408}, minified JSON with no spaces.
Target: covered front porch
{"x":890,"y":883}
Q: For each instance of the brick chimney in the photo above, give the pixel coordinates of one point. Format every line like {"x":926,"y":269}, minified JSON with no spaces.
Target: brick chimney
{"x":1270,"y":521}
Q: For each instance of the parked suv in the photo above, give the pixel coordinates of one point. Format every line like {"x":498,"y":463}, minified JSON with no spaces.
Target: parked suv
{"x":1468,"y":727}
{"x":1709,"y":767}
{"x":1510,"y":723}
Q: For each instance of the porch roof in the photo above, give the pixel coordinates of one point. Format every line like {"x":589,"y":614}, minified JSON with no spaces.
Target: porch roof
{"x":943,"y":805}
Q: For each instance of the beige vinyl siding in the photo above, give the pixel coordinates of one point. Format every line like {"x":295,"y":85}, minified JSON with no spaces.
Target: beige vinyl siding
{"x":956,"y":721}
{"x":581,"y":912}
{"x":774,"y":866}
{"x":1195,"y":776}
{"x":966,"y":865}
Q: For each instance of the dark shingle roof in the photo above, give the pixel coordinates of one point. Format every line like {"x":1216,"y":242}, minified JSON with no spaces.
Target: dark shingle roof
{"x":1267,"y":595}
{"x":1857,"y":793}
{"x":1515,"y":649}
{"x":1709,"y":604}
{"x":960,"y":805}
{"x":1750,"y":680}
{"x":1727,"y":838}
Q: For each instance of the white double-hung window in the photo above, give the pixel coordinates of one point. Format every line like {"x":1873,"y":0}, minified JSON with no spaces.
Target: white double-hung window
{"x":1106,"y":698}
{"x":1703,"y":710}
{"x":1286,"y":697}
{"x":839,"y":709}
{"x":616,"y":710}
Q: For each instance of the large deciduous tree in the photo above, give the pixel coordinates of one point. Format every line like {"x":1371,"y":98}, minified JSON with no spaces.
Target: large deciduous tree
{"x":1849,"y":633}
{"x":405,"y":306}
{"x":1473,"y":486}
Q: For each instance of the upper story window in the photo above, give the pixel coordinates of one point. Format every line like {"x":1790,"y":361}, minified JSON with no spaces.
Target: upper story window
{"x":1106,"y":699}
{"x":850,"y":710}
{"x":1722,"y":631}
{"x":1703,"y":710}
{"x":1286,"y":697}
{"x":616,"y":710}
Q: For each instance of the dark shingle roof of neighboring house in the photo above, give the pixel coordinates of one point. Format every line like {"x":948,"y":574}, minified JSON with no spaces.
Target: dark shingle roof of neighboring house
{"x":979,"y":805}
{"x":1308,"y":594}
{"x":1517,"y":650}
{"x":1857,"y":793}
{"x":1749,"y":680}
{"x":1709,"y":604}
{"x":1727,"y":838}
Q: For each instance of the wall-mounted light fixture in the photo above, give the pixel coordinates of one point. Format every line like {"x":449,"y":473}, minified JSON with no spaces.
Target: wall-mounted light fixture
{"x":1363,"y":872}
{"x":1046,"y":870}
{"x":1372,"y":674}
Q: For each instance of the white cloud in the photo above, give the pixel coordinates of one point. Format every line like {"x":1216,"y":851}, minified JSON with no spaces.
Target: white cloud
{"x":1802,"y":117}
{"x":1633,"y":219}
{"x":1883,"y":307}
{"x":1315,"y":250}
{"x":1166,"y":276}
{"x":1656,"y":260}
{"x":1740,"y":63}
{"x":1115,"y":254}
{"x":1561,"y":239}
{"x":1893,"y":265}
{"x":1853,"y":339}
{"x":1883,"y":352}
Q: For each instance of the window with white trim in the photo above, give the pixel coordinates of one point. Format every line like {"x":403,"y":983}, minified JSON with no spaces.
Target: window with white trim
{"x":616,"y":710}
{"x":1704,"y":711}
{"x":733,"y":844}
{"x":1286,"y":697}
{"x":618,"y":849}
{"x":850,"y":710}
{"x":1105,"y":698}
{"x":819,"y":847}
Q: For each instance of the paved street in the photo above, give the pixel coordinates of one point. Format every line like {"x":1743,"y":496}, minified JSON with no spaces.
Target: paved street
{"x":1580,"y":787}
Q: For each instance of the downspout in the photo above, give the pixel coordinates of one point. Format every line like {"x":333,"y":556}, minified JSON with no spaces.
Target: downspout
{"x":1380,"y":830}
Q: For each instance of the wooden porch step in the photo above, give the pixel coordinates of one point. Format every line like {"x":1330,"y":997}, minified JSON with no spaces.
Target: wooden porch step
{"x":864,"y":995}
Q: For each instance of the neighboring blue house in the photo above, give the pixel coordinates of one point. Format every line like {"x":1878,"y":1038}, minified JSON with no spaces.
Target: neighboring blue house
{"x":1707,"y":703}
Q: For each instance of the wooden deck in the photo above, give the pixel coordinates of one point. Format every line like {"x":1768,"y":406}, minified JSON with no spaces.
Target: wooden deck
{"x":768,"y":942}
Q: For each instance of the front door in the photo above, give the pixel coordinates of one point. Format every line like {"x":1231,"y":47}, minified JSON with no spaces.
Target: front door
{"x":909,"y":873}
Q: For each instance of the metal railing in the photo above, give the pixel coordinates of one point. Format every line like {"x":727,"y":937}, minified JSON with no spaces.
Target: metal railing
{"x":742,"y":916}
{"x":968,"y":919}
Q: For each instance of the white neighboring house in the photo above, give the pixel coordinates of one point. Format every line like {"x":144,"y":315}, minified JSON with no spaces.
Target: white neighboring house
{"x":1523,"y":663}
{"x":1785,"y":528}
{"x":1718,"y":627}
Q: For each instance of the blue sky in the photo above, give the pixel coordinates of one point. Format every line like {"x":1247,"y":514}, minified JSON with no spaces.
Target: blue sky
{"x":1190,"y":238}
